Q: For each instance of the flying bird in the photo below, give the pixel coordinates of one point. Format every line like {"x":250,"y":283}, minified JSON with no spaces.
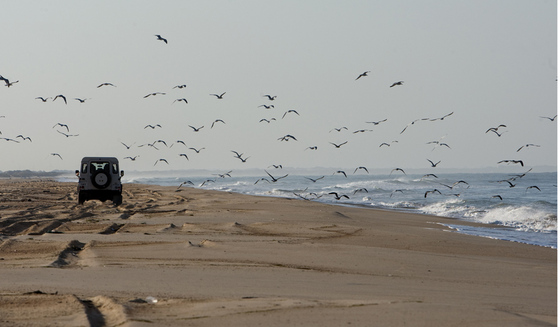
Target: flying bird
{"x":24,"y":138}
{"x":495,"y":129}
{"x":311,"y":148}
{"x":520,"y":175}
{"x":274,"y":180}
{"x":397,"y":169}
{"x":315,"y":180}
{"x":338,"y":129}
{"x":526,"y":146}
{"x":338,"y":145}
{"x":221,"y":96}
{"x":56,"y":154}
{"x":184,"y":183}
{"x":207,"y":181}
{"x":533,"y":186}
{"x":43,"y":99}
{"x":291,"y":110}
{"x":217,"y":121}
{"x":496,"y":132}
{"x":287,"y":137}
{"x":412,"y":123}
{"x":265,"y":106}
{"x":105,"y":84}
{"x":338,"y":197}
{"x":68,"y":135}
{"x":497,"y":196}
{"x":154,"y":94}
{"x":261,"y":179}
{"x":184,"y":155}
{"x":242,"y":159}
{"x":459,"y":182}
{"x":131,"y":158}
{"x":126,"y":146}
{"x":361,"y":167}
{"x":551,"y":119}
{"x":225,"y":174}
{"x":196,"y":129}
{"x":62,"y":125}
{"x":161,"y":38}
{"x":152,"y":126}
{"x":270,"y":97}
{"x":433,"y":164}
{"x":397,"y":83}
{"x":81,"y":100}
{"x":180,"y":86}
{"x":197,"y":150}
{"x":442,"y":118}
{"x":182,"y":99}
{"x":62,"y":97}
{"x":9,"y":140}
{"x":7,"y":81}
{"x":149,"y":144}
{"x":341,"y":172}
{"x":512,"y":161}
{"x":161,"y":160}
{"x":376,"y":122}
{"x":362,"y":75}
{"x":238,"y":155}
{"x":433,"y":191}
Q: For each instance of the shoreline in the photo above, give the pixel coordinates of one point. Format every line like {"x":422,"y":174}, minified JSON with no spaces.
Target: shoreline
{"x":545,"y":238}
{"x":402,"y":210}
{"x":215,"y":258}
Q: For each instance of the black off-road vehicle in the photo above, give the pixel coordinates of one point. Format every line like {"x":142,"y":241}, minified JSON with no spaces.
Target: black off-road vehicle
{"x":100,"y":179}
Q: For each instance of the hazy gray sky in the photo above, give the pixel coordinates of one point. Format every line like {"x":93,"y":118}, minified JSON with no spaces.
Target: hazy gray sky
{"x":488,"y":62}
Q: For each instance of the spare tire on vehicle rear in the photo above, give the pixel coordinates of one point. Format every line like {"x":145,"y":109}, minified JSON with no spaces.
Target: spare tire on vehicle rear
{"x":101,"y":179}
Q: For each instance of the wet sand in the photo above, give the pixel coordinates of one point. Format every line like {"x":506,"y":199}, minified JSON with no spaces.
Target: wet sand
{"x":192,"y":257}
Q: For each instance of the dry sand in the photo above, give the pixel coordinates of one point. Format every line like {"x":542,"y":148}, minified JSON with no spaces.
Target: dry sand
{"x":215,"y":259}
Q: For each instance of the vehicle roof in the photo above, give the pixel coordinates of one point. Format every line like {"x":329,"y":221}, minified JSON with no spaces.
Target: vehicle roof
{"x":110,"y":159}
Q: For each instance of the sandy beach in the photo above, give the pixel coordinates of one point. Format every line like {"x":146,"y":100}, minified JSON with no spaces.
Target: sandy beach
{"x":192,"y":257}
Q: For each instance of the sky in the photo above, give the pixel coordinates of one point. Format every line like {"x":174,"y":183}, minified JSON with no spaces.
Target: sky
{"x":479,"y":64}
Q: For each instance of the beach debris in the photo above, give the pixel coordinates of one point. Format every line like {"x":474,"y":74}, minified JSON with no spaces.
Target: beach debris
{"x":199,"y":245}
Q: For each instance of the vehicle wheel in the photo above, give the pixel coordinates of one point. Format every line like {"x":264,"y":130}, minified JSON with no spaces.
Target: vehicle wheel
{"x":101,"y":179}
{"x":117,"y":199}
{"x":81,"y":198}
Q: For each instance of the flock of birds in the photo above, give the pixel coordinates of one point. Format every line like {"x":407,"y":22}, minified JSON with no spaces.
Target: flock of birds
{"x":64,"y":130}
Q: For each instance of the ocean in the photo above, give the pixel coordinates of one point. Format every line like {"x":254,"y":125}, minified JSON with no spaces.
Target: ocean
{"x":517,"y":208}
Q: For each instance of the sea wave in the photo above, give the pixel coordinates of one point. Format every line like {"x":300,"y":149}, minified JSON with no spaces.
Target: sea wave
{"x":524,"y":218}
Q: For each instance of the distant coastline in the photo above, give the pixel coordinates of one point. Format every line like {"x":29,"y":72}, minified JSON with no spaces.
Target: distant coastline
{"x":257,"y":172}
{"x":33,"y":174}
